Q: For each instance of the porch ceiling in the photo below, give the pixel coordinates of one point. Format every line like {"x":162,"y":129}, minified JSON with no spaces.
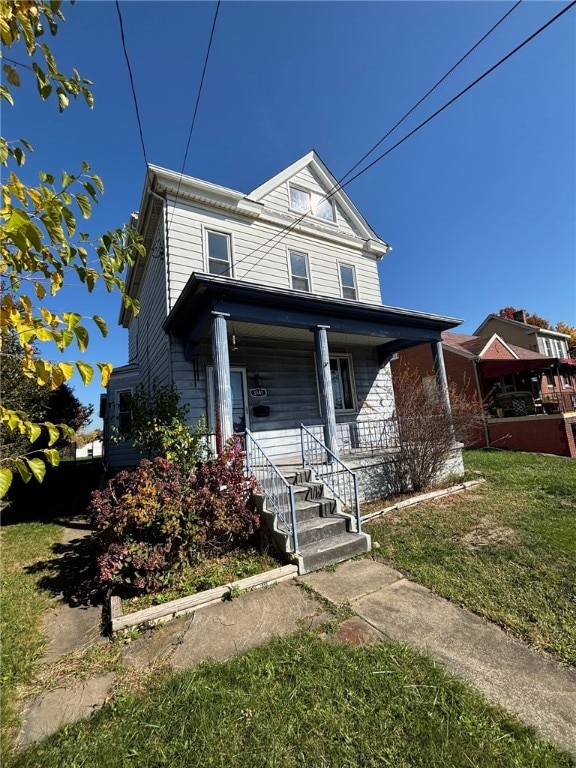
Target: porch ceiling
{"x":247,"y":331}
{"x":286,"y":314}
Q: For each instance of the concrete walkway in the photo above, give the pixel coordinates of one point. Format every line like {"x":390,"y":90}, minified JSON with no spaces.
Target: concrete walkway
{"x":541,"y":692}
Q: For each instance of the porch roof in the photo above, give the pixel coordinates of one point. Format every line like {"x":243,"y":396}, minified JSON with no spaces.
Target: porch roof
{"x":253,"y":304}
{"x":494,"y":368}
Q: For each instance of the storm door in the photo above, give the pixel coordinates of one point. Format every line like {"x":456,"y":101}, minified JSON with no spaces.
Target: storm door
{"x":239,"y":387}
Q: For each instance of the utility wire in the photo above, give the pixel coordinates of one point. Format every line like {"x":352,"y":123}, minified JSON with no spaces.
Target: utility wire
{"x":286,"y":230}
{"x":206,"y":58}
{"x":131,"y":81}
{"x":462,"y":92}
{"x":337,"y":186}
{"x":428,"y":93}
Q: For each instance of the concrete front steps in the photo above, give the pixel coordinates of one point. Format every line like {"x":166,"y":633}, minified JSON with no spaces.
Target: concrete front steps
{"x":325,"y":534}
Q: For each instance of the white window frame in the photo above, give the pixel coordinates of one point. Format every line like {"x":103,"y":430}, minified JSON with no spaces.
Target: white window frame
{"x":298,"y":277}
{"x":310,"y":212}
{"x":348,"y":357}
{"x":342,"y":286}
{"x":212,"y":230}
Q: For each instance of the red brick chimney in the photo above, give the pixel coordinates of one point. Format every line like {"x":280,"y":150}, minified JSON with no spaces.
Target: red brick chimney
{"x":521,"y":316}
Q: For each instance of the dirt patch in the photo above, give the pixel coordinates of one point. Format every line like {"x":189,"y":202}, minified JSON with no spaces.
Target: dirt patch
{"x":488,"y":534}
{"x":355,"y":631}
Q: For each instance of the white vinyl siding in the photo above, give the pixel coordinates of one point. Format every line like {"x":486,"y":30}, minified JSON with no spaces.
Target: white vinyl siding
{"x":147,"y":341}
{"x":348,"y":281}
{"x":258,"y":257}
{"x":218,"y":253}
{"x":299,"y":273}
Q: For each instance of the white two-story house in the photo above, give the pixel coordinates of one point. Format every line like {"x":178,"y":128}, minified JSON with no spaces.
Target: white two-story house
{"x":264,"y":309}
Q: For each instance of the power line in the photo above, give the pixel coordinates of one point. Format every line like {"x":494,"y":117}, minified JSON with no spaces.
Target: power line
{"x":207,"y":56}
{"x":462,"y":92}
{"x":338,"y":183}
{"x":338,"y":186}
{"x":131,"y":81}
{"x":428,"y":93}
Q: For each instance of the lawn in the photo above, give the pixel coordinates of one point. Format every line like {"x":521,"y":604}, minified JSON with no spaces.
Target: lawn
{"x":301,"y":701}
{"x":23,"y":604}
{"x":506,"y":549}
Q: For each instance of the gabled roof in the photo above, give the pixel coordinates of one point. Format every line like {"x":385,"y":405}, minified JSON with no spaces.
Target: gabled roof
{"x":526,"y":327}
{"x":475,"y":347}
{"x":329,"y":182}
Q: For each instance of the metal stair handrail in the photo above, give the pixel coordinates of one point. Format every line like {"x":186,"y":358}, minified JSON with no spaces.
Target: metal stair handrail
{"x":333,"y":472}
{"x":277,"y":491}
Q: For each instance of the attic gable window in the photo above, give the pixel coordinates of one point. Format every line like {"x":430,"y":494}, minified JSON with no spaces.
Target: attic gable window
{"x":219,"y":262}
{"x":304,"y":201}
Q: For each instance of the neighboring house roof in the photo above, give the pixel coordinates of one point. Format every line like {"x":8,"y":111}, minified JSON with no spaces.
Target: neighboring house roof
{"x":478,"y":346}
{"x":526,"y":327}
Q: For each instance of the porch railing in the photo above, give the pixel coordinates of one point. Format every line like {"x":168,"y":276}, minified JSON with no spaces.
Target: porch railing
{"x":335,"y":475}
{"x":368,"y":437}
{"x":277,"y":491}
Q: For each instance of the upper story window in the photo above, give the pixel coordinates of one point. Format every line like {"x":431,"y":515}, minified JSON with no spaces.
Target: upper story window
{"x":304,"y":201}
{"x":348,"y":282}
{"x":124,"y":404}
{"x":219,"y":254}
{"x":299,"y":271}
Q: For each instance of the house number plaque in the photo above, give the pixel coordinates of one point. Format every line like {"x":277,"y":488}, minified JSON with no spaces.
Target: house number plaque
{"x":259,"y":392}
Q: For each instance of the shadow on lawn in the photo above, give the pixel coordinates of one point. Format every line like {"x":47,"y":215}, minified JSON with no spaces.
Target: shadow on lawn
{"x":70,"y":574}
{"x":64,"y":493}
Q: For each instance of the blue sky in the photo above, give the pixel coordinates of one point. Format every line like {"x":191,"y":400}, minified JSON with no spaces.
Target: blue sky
{"x":479,"y":206}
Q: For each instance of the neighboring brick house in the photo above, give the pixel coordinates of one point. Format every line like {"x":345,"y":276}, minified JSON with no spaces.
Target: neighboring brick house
{"x":529,"y":398}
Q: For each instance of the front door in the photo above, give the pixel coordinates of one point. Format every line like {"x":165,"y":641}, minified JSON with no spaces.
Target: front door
{"x":239,"y":387}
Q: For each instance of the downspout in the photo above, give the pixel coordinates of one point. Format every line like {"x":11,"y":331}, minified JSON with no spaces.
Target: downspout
{"x":478,"y":389}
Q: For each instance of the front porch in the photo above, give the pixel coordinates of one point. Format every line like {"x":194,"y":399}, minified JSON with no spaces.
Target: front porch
{"x":303,"y":376}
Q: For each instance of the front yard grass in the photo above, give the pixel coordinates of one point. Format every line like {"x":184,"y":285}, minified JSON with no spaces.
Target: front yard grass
{"x":23,"y":604}
{"x":506,"y":549}
{"x":301,"y":701}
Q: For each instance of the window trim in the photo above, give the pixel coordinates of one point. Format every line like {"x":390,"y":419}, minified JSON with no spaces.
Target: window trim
{"x":355,"y":280}
{"x":206,"y":232}
{"x":350,"y":359}
{"x":306,"y":255}
{"x":310,"y":211}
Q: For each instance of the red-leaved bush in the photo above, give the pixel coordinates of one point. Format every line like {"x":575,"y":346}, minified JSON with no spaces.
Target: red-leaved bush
{"x":154,"y":520}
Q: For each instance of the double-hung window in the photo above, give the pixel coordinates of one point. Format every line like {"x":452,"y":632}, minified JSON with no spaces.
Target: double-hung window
{"x":124,"y":402}
{"x":299,"y":273}
{"x":342,"y":383}
{"x":348,"y":282}
{"x":219,"y":254}
{"x":305,"y":201}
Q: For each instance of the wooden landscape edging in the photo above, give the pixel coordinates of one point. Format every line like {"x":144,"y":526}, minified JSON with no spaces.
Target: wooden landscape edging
{"x":183,"y":605}
{"x":424,"y":497}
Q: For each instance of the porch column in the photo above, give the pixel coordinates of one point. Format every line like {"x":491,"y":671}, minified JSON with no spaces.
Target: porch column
{"x":440,"y":371}
{"x":325,"y":383}
{"x":222,"y":387}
